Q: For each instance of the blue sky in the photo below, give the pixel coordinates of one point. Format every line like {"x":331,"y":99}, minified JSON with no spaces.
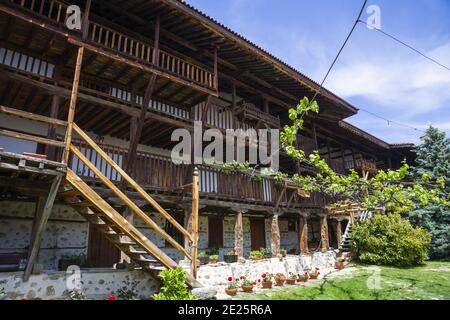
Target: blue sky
{"x":373,"y":73}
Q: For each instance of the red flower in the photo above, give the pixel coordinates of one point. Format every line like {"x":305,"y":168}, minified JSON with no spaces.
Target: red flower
{"x":254,"y":283}
{"x":264,"y":275}
{"x":242,"y":277}
{"x":237,"y":279}
{"x":230,"y":279}
{"x":318,"y":272}
{"x":259,"y":280}
{"x":112,"y":297}
{"x":306,"y":272}
{"x":290,"y":272}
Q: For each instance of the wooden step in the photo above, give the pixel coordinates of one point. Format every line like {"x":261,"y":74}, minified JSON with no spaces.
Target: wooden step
{"x":69,"y":193}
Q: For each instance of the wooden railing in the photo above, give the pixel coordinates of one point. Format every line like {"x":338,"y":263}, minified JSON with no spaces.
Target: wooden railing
{"x":23,"y":135}
{"x":118,"y":42}
{"x":362,"y":165}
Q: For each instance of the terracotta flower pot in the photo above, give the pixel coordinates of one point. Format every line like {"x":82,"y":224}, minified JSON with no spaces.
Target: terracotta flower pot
{"x":230,"y":258}
{"x":255,"y":258}
{"x":290,"y":281}
{"x":339,"y":265}
{"x":302,"y":279}
{"x":247,"y":288}
{"x":212,"y":261}
{"x":267,"y":285}
{"x":279,"y":282}
{"x":313,"y":276}
{"x":231,"y":292}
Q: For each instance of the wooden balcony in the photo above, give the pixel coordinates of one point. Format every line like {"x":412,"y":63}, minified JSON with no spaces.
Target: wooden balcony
{"x":127,"y":46}
{"x":362,"y":165}
{"x":156,"y":172}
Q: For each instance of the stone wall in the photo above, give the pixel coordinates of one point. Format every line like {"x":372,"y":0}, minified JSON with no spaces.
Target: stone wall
{"x":96,"y":284}
{"x":66,"y":231}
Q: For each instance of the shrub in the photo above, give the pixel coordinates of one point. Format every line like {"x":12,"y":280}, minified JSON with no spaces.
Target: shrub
{"x":389,"y":240}
{"x":174,"y":286}
{"x":256,"y":253}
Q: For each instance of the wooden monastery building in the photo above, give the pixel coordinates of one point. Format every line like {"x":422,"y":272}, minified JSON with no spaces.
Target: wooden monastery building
{"x":86,"y":118}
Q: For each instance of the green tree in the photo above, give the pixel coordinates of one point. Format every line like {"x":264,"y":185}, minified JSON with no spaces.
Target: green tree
{"x":433,"y":161}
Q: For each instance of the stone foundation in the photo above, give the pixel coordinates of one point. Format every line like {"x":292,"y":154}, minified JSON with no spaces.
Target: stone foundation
{"x":96,"y":284}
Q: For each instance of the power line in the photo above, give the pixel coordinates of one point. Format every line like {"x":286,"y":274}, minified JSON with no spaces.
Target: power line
{"x":340,"y":51}
{"x":407,"y":45}
{"x":389,"y":121}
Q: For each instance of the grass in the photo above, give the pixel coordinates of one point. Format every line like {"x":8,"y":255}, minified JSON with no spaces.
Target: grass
{"x":430,"y":281}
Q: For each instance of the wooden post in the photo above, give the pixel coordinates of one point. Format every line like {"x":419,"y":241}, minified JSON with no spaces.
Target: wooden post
{"x":155,"y":57}
{"x":315,"y":134}
{"x":136,"y":127}
{"x":73,"y":102}
{"x":195,"y":199}
{"x":233,"y":104}
{"x":50,"y":151}
{"x":239,"y":235}
{"x":324,"y":240}
{"x":328,"y":152}
{"x":266,"y":105}
{"x":85,"y":23}
{"x":303,"y":234}
{"x":275,"y":235}
{"x":44,"y":209}
{"x":338,"y":232}
{"x":216,"y":71}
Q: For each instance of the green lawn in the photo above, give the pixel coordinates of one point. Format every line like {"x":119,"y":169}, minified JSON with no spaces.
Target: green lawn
{"x":430,"y":281}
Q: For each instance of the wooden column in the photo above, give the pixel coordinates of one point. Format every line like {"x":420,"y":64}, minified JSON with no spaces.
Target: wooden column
{"x":43,"y":211}
{"x":195,"y":199}
{"x":275,"y":235}
{"x":324,"y":240}
{"x":216,"y":71}
{"x":266,"y":105}
{"x":315,"y":134}
{"x":75,"y":84}
{"x":239,"y":234}
{"x":137,"y":124}
{"x":73,"y":102}
{"x":303,"y":234}
{"x":233,"y":104}
{"x":338,"y":232}
{"x":50,"y":151}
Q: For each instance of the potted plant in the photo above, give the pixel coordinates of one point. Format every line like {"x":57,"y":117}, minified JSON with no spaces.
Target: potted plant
{"x":247,"y":284}
{"x":256,"y":255}
{"x":292,"y":278}
{"x":280,"y":278}
{"x":283,"y":252}
{"x":213,"y":258}
{"x":303,"y":277}
{"x":231,"y":256}
{"x":314,"y":275}
{"x":67,"y":260}
{"x":203,"y":257}
{"x":267,"y":252}
{"x":232,"y":286}
{"x":266,"y":280}
{"x":339,"y":264}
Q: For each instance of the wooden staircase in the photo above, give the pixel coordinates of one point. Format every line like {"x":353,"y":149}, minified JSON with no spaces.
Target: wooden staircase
{"x":128,"y":239}
{"x":347,"y":236}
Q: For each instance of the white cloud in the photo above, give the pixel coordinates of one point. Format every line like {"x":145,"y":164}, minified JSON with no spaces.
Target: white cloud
{"x":412,"y":85}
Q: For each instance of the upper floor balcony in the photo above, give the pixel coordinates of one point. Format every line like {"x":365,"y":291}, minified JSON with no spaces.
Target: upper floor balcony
{"x":120,"y":43}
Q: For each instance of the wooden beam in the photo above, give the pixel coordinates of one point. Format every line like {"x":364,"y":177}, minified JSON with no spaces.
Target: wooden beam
{"x":29,"y":137}
{"x":43,"y":213}
{"x":195,"y":222}
{"x":73,"y":102}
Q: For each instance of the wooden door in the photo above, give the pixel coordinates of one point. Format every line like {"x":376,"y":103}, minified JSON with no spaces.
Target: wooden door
{"x":215,"y":232}
{"x":257,"y":234}
{"x":101,"y":252}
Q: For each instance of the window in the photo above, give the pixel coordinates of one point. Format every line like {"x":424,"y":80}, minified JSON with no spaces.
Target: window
{"x":215,"y":232}
{"x":292,"y":226}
